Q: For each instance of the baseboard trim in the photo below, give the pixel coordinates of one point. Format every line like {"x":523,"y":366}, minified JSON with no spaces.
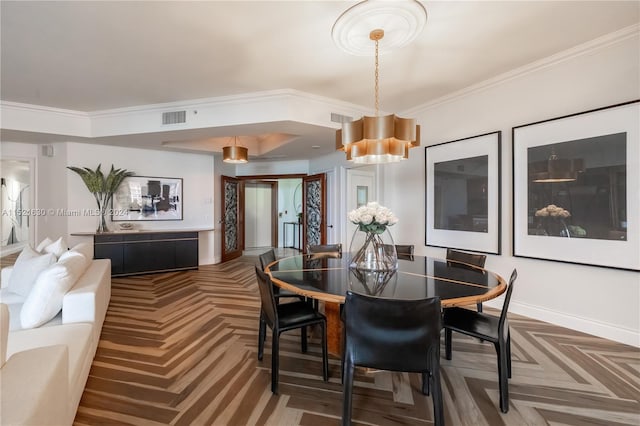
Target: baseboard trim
{"x":595,"y":328}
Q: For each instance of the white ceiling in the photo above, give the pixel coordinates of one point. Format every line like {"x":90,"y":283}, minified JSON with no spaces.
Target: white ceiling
{"x":92,"y":56}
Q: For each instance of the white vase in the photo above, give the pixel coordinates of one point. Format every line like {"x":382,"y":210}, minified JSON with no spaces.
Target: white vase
{"x":371,"y":251}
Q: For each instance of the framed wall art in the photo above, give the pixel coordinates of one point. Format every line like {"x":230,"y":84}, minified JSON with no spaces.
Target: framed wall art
{"x":148,"y":198}
{"x":575,"y":188}
{"x":463,"y":193}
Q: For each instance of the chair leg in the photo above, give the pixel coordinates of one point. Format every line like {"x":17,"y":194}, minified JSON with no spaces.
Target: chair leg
{"x":426,"y":377}
{"x":275,"y":360}
{"x":438,"y":410}
{"x":347,"y":389}
{"x":503,"y":383}
{"x":509,"y":355}
{"x":447,"y":343}
{"x":479,"y":308}
{"x":262,"y":334}
{"x":303,"y":339}
{"x":325,"y":356}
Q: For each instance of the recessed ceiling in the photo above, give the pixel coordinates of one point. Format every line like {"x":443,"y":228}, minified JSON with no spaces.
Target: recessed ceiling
{"x":92,"y":56}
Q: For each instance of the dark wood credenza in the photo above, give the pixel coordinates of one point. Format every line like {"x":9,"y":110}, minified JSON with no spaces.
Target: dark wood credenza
{"x":142,"y":252}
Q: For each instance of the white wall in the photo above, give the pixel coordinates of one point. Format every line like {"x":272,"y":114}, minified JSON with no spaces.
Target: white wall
{"x":600,"y":301}
{"x":255,"y":168}
{"x":196,"y":170}
{"x":59,"y":189}
{"x":28,"y":154}
{"x":257,"y":215}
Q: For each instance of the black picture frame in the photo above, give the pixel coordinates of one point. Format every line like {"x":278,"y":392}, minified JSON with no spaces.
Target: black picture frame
{"x":469,"y":216}
{"x":588,"y":212}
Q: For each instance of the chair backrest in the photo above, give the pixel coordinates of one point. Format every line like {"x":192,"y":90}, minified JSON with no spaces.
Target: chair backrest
{"x":267,"y":299}
{"x":472,"y":259}
{"x":266,"y":258}
{"x":325,"y":248}
{"x":406,"y":249}
{"x":502,"y":323}
{"x":377,"y":330}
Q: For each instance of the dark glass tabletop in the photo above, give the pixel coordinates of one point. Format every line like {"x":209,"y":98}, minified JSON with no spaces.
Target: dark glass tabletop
{"x":327,"y":277}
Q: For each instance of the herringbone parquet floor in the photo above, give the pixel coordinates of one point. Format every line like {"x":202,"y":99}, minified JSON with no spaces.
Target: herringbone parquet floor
{"x":181,"y":349}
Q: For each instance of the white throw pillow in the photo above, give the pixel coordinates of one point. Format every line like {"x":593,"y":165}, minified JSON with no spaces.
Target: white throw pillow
{"x":83,"y":262}
{"x":26,"y":269}
{"x":43,"y":244}
{"x":45,"y":299}
{"x":85,"y":248}
{"x":58,"y":247}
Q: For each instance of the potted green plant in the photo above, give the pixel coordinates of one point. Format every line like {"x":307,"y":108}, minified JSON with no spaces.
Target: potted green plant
{"x":102,"y":187}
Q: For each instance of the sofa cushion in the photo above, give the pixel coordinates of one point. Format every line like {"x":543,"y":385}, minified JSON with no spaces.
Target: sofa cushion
{"x":10,"y":298}
{"x":45,"y":299}
{"x":14,"y":314}
{"x":85,"y":248}
{"x":76,"y":337}
{"x":58,"y":247}
{"x":40,"y":247}
{"x":26,"y":268}
{"x":35,"y":388}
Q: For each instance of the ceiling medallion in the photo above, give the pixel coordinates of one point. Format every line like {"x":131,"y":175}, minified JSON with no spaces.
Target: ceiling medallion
{"x":373,"y":140}
{"x":401,"y":20}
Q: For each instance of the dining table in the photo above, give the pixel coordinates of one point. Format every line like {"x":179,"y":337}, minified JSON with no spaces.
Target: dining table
{"x":327,"y":277}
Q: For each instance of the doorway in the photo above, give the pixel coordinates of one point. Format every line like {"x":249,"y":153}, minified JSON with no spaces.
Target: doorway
{"x":260,"y":214}
{"x":16,"y":190}
{"x":256,"y":209}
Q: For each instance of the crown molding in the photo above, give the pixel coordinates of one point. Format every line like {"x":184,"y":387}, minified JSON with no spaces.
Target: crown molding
{"x":239,"y":99}
{"x":6,"y":106}
{"x":577,"y":51}
{"x":42,"y":119}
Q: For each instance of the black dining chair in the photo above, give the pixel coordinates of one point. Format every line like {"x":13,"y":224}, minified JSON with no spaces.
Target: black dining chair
{"x":466,"y":260}
{"x":266,"y":259}
{"x":485,"y":327}
{"x":325,"y":248}
{"x":404,"y":249}
{"x":395,"y":335}
{"x":285,"y":317}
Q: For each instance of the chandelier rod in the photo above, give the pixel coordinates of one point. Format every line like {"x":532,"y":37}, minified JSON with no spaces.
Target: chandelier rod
{"x":376,"y":35}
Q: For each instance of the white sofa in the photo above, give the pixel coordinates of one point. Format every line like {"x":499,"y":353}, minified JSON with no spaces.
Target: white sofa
{"x":44,"y":370}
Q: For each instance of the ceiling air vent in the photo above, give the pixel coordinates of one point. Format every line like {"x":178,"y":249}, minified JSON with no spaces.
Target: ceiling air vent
{"x":174,"y":117}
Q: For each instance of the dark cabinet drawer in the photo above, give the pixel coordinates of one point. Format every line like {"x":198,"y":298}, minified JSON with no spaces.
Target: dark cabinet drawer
{"x":149,"y":256}
{"x":146,"y":252}
{"x":187,"y":254}
{"x":113,"y":252}
{"x":174,"y":235}
{"x":104,"y":238}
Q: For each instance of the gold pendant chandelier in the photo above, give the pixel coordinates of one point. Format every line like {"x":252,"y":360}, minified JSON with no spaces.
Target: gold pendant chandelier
{"x":378,"y":139}
{"x":235,"y":154}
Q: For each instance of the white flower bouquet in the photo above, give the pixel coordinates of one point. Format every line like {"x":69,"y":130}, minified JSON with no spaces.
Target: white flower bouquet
{"x":372,"y":218}
{"x":553,"y":211}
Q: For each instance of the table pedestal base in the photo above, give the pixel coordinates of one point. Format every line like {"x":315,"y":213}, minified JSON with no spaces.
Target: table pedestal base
{"x":334,"y":328}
